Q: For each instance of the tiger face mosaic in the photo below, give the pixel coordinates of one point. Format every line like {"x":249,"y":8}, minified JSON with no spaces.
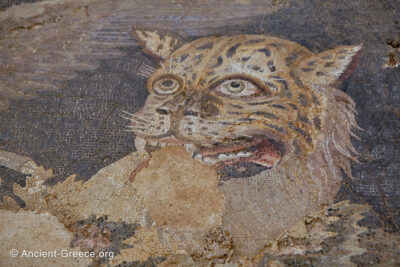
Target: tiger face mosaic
{"x":245,"y":99}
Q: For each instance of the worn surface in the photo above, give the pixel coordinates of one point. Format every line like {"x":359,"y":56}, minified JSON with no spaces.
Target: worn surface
{"x":184,"y":199}
{"x":70,"y":121}
{"x":25,"y":230}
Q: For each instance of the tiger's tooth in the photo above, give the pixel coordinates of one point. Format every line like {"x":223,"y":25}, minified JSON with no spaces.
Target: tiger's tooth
{"x":242,"y":154}
{"x":222,"y":157}
{"x":190,"y":148}
{"x":153,"y":143}
{"x":231,"y":156}
{"x":198,"y":157}
{"x":140,"y":143}
{"x":209,"y":161}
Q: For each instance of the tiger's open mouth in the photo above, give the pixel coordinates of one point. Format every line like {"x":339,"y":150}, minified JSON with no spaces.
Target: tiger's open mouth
{"x":259,"y":150}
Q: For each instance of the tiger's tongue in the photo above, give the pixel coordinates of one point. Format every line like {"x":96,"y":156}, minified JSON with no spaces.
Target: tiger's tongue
{"x":266,"y":155}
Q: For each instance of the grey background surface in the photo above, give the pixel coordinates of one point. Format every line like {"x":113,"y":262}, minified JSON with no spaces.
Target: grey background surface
{"x":79,"y":129}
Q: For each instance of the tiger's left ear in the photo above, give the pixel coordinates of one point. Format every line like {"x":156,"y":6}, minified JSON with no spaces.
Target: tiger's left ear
{"x":156,"y":42}
{"x":330,"y":67}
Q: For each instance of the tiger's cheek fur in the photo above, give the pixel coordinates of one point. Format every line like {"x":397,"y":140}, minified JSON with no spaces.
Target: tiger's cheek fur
{"x":148,"y":122}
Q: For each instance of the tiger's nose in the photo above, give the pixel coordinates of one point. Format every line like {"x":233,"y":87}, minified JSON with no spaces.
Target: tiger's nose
{"x":168,"y":108}
{"x":162,"y":110}
{"x":172,"y":105}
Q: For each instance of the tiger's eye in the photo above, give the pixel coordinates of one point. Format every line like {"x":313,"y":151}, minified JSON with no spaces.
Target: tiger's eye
{"x":236,"y":86}
{"x":167,"y":83}
{"x":166,"y":86}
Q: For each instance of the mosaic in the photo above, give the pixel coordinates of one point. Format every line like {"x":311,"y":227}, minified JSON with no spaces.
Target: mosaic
{"x":197,"y":134}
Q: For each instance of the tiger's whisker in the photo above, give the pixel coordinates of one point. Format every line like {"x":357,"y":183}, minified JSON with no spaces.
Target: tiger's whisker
{"x":135,"y":119}
{"x":140,"y":124}
{"x":162,"y":65}
{"x":138,"y":118}
{"x":126,"y":112}
{"x":126,"y":118}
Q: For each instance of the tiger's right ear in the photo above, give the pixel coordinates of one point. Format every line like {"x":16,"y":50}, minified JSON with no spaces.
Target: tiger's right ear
{"x":157,"y":43}
{"x":330,"y":67}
